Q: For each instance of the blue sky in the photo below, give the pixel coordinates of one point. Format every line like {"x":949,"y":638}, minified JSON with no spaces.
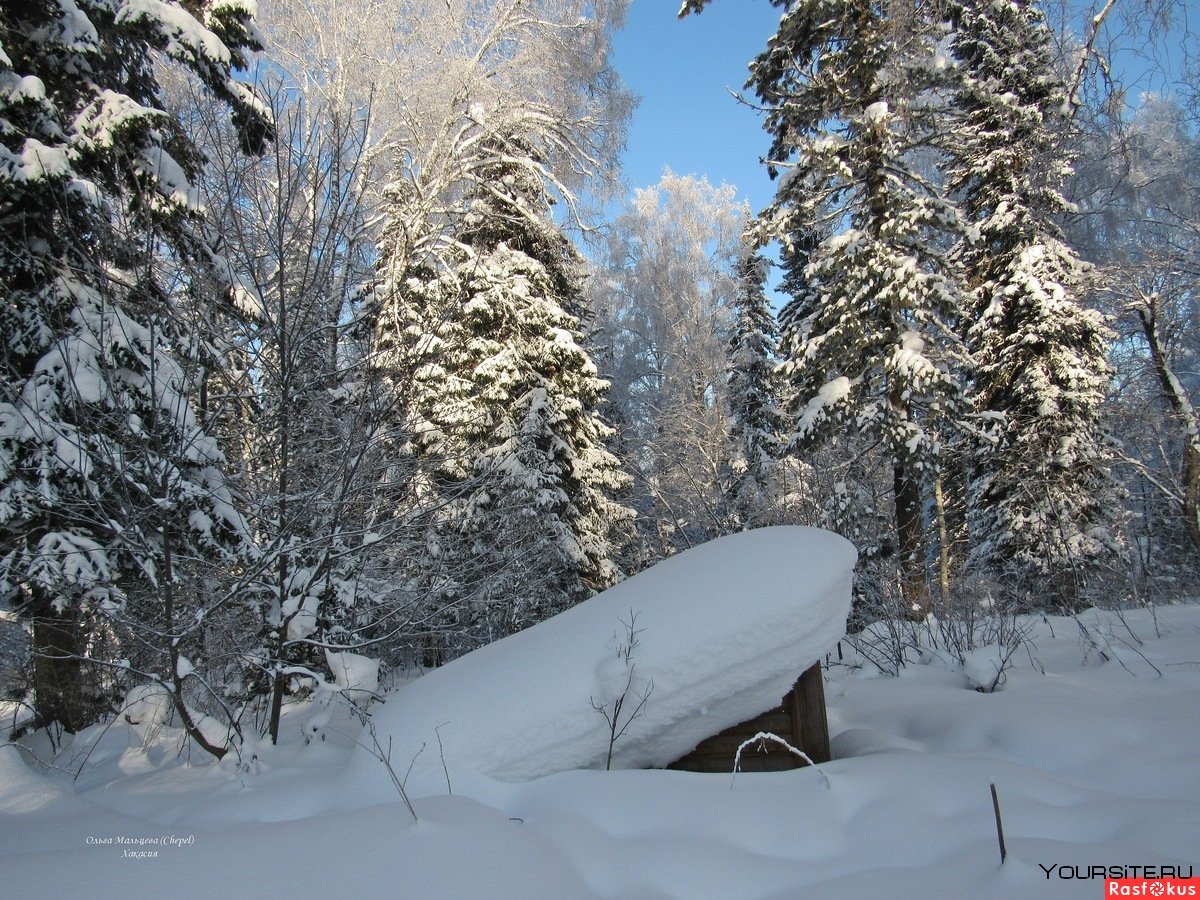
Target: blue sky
{"x":683,"y":69}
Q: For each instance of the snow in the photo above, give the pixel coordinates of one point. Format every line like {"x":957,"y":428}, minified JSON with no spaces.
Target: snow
{"x":100,"y":125}
{"x":147,"y":707}
{"x":75,"y":558}
{"x":21,"y":88}
{"x":250,"y":100}
{"x":353,"y":673}
{"x":35,"y":162}
{"x":173,"y":183}
{"x":75,"y":30}
{"x":184,"y":667}
{"x":830,"y":394}
{"x":725,"y":628}
{"x":876,"y":112}
{"x":1091,"y":744}
{"x":984,"y":667}
{"x":247,"y":8}
{"x":186,"y":38}
{"x":909,"y":361}
{"x":247,"y":298}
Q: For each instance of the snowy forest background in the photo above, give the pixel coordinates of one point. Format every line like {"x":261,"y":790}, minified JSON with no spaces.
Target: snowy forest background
{"x":330,"y":329}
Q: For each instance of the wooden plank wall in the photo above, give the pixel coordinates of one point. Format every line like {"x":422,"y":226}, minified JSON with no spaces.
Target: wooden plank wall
{"x":799,"y":719}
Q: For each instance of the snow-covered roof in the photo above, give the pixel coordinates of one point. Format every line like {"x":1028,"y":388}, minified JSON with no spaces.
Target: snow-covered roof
{"x":722,"y":632}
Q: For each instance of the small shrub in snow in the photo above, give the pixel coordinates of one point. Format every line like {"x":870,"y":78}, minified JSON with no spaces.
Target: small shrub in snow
{"x":1110,"y":637}
{"x":616,"y":711}
{"x":976,"y":634}
{"x":383,"y":753}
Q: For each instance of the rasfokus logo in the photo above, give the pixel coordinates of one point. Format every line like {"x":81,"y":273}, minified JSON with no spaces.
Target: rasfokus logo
{"x":1158,"y":887}
{"x":1132,"y":881}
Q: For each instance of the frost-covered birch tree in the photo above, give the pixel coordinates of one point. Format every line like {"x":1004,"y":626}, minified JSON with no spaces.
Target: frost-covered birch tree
{"x":107,"y":477}
{"x":1137,"y":189}
{"x":428,"y":69}
{"x":664,"y":289}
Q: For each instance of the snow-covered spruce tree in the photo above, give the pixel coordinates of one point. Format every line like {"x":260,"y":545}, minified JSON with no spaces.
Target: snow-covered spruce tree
{"x":1039,"y":485}
{"x":755,"y":422}
{"x":106,"y":476}
{"x":514,"y":482}
{"x":849,"y":89}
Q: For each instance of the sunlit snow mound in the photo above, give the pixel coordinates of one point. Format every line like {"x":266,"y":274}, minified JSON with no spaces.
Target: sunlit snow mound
{"x":720,"y":633}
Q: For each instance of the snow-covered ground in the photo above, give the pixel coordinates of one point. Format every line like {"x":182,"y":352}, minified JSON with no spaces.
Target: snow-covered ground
{"x":1093,"y":742}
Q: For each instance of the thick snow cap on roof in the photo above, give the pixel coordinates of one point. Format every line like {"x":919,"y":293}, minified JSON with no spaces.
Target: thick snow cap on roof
{"x":721,"y":632}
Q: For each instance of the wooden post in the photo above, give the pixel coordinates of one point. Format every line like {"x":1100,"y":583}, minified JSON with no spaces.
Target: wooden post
{"x":999,"y":825}
{"x":809,"y":722}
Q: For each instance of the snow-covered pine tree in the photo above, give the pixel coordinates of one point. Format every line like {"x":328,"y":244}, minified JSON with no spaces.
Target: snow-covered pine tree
{"x":755,"y":422}
{"x":849,"y":89}
{"x":106,"y":475}
{"x":1039,"y":483}
{"x":484,"y":344}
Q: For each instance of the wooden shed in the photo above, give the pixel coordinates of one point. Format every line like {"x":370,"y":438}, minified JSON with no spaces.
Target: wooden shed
{"x":799,"y":719}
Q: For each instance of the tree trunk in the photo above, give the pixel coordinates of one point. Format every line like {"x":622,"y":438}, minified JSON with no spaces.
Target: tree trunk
{"x":168,"y":589}
{"x":911,"y":536}
{"x":1191,"y":488}
{"x":283,"y":346}
{"x":58,"y":670}
{"x":939,"y":496}
{"x":277,"y":685}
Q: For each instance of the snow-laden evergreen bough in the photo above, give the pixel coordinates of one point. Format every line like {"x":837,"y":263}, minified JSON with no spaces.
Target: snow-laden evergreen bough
{"x":105,"y":467}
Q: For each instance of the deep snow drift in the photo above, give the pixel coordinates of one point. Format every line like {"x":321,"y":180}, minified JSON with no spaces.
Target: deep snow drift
{"x":720,"y":633}
{"x":1092,"y":742}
